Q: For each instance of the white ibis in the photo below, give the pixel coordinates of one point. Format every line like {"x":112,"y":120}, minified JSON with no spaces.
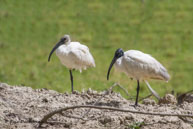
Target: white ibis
{"x":139,"y":66}
{"x":73,"y":55}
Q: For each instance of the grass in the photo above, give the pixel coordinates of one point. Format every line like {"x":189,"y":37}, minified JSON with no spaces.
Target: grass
{"x":29,"y":30}
{"x":136,"y":125}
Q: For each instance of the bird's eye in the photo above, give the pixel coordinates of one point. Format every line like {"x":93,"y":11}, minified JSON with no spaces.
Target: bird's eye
{"x":63,"y":39}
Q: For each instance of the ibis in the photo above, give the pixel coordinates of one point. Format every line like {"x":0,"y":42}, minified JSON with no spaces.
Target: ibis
{"x":73,"y":55}
{"x":139,"y":66}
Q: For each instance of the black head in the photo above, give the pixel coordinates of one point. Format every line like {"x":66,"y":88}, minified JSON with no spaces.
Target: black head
{"x":118,"y":53}
{"x":63,"y":40}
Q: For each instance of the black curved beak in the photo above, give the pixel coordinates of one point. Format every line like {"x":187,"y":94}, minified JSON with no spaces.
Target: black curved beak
{"x":111,"y":65}
{"x":54,"y":48}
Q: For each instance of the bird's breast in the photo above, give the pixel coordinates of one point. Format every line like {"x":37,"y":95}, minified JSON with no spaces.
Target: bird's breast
{"x":63,"y":54}
{"x":127,"y":66}
{"x":119,"y":65}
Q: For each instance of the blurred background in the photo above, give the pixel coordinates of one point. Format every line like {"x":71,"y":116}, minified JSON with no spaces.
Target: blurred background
{"x":29,"y":30}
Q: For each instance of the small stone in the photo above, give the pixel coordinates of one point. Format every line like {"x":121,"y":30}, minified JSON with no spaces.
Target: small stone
{"x":168,"y":99}
{"x":129,"y":117}
{"x":189,"y":98}
{"x":105,"y":120}
{"x":45,"y":100}
{"x":75,"y":92}
{"x":149,"y":102}
{"x":89,"y":91}
{"x":83,"y":91}
{"x":94,"y":92}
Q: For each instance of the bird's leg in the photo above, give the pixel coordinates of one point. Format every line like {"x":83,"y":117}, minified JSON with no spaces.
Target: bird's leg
{"x":71,"y":78}
{"x":138,"y":87}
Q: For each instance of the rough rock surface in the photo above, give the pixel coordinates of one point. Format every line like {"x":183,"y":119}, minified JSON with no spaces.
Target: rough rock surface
{"x":168,"y":99}
{"x":23,"y":107}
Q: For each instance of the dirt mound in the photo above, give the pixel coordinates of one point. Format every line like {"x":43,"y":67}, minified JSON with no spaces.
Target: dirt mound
{"x":24,"y":107}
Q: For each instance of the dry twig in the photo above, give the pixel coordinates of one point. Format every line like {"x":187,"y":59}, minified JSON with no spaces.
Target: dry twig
{"x":107,"y":92}
{"x":49,"y":115}
{"x":145,"y":97}
{"x":186,"y":120}
{"x":99,"y":99}
{"x":153,"y":91}
{"x":117,"y":84}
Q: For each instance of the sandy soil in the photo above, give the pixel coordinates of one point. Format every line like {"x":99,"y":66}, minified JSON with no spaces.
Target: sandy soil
{"x":23,"y":107}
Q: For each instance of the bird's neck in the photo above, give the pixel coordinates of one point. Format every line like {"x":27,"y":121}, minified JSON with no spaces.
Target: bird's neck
{"x":119,"y":61}
{"x":67,"y":43}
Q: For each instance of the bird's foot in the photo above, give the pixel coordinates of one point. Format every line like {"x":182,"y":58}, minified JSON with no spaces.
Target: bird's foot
{"x":75,"y":92}
{"x":135,"y":106}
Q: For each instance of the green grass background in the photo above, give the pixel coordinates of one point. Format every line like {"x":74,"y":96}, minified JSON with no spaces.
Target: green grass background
{"x":30,"y":28}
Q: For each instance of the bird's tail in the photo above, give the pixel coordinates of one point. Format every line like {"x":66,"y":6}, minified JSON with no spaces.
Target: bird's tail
{"x":152,"y":91}
{"x":165,"y":74}
{"x":167,"y":77}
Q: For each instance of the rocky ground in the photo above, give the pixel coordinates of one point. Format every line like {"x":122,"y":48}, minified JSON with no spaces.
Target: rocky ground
{"x":24,"y":107}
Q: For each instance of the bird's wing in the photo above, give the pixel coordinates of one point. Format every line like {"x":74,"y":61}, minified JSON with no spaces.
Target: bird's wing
{"x":80,"y":55}
{"x":147,"y":63}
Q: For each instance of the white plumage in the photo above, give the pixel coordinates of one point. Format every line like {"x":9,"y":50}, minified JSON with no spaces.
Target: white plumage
{"x":140,"y":66}
{"x":73,"y":55}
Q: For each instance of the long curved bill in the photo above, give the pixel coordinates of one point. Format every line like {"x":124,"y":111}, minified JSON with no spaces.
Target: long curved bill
{"x":53,"y":49}
{"x":111,"y":65}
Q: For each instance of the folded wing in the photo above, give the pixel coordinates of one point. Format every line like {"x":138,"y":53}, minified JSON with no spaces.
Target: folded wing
{"x":144,"y":65}
{"x":81,"y":56}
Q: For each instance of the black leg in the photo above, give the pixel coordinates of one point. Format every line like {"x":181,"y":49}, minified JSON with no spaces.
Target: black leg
{"x":71,"y":78}
{"x":138,"y":87}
